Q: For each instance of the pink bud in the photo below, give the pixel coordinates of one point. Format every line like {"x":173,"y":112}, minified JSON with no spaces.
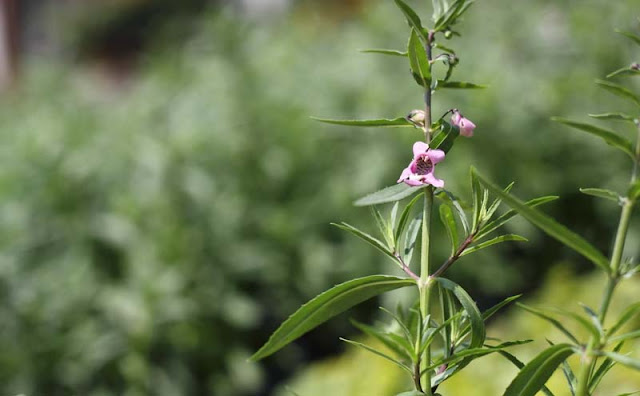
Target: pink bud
{"x":465,"y":125}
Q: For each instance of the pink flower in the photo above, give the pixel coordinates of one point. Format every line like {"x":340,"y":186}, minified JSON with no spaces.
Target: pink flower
{"x":465,"y":125}
{"x":420,"y":170}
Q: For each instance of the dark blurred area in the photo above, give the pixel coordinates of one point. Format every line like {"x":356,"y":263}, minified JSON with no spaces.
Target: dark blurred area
{"x":166,"y":199}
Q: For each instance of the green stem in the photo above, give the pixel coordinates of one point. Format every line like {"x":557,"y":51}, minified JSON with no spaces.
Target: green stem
{"x":590,"y":361}
{"x":424,"y":284}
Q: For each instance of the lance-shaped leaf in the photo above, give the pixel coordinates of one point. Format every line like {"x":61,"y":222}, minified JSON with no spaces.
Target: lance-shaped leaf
{"x":500,"y":221}
{"x":634,"y":191}
{"x":412,"y":19}
{"x":404,"y":218}
{"x":413,"y":393}
{"x":382,"y":122}
{"x":619,"y":90}
{"x":626,"y":336}
{"x":551,"y":227}
{"x":399,"y":348}
{"x":420,"y":67}
{"x":535,"y":374}
{"x":449,"y":222}
{"x":444,"y":139}
{"x":493,"y":241}
{"x":604,"y":368}
{"x":384,"y":52}
{"x":375,"y":242}
{"x":410,"y":240}
{"x":379,"y":353}
{"x":610,"y":137}
{"x":629,"y":35}
{"x":626,"y":315}
{"x":478,"y":332}
{"x":459,"y":85}
{"x":612,"y":116}
{"x":624,"y":72}
{"x":602,"y":193}
{"x":622,"y":359}
{"x":388,"y":194}
{"x":549,"y":319}
{"x":516,"y":362}
{"x":327,"y":305}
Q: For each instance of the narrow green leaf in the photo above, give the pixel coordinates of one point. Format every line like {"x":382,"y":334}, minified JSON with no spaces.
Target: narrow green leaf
{"x":394,"y":215}
{"x":412,"y":19}
{"x":404,"y":218}
{"x":449,"y":199}
{"x":535,"y":374}
{"x":411,"y":393}
{"x":496,"y":203}
{"x":478,"y":332}
{"x":490,"y":242}
{"x":602,"y":193}
{"x":382,"y":122}
{"x":604,"y":368}
{"x":459,"y":85}
{"x":398,"y":319}
{"x":327,"y":305}
{"x":551,"y":227}
{"x":549,"y":319}
{"x":500,"y":221}
{"x":489,"y":312}
{"x":595,"y":319}
{"x":626,"y":336}
{"x":610,"y":137}
{"x":410,"y":240}
{"x":612,"y":116}
{"x":619,"y":90}
{"x":570,"y":377}
{"x":444,"y":48}
{"x":629,"y":312}
{"x":622,"y":359}
{"x":449,"y":222}
{"x":586,"y":324}
{"x":384,"y":52}
{"x":367,"y":238}
{"x":516,"y":362}
{"x":624,"y":72}
{"x":381,"y":354}
{"x":385,"y":229}
{"x":476,"y":192}
{"x":451,"y":14}
{"x":418,"y":60}
{"x":445,"y":138}
{"x":634,"y":191}
{"x":388,"y":194}
{"x":629,"y":35}
{"x":629,"y":393}
{"x":383,"y":337}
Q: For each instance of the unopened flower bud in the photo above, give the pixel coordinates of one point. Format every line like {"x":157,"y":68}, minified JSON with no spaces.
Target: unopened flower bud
{"x":465,"y":125}
{"x":416,"y":117}
{"x":635,"y":66}
{"x":448,"y":34}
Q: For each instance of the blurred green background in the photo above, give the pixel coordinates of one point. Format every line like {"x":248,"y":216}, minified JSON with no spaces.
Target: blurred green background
{"x":166,"y":198}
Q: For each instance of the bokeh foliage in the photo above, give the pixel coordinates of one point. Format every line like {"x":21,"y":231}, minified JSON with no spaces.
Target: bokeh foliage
{"x":152,"y":237}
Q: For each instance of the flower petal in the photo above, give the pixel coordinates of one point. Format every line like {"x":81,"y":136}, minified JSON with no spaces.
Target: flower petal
{"x":406,"y":172}
{"x":434,"y":181}
{"x":435,"y":156}
{"x":419,"y":148}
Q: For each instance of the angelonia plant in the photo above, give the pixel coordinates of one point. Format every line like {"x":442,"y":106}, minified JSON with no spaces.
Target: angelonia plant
{"x":444,"y":330}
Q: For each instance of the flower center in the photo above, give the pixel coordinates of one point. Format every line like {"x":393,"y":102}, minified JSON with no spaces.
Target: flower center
{"x":424,"y":166}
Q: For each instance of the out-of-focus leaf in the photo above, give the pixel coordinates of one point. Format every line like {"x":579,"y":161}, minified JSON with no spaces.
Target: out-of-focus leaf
{"x":626,"y":336}
{"x":459,"y":85}
{"x":327,"y":305}
{"x":625,"y":72}
{"x":610,"y":137}
{"x":551,"y":320}
{"x":410,"y":240}
{"x":388,"y":194}
{"x":626,"y":315}
{"x":411,"y":393}
{"x":444,"y":48}
{"x":420,"y":67}
{"x":622,"y":359}
{"x":449,"y":222}
{"x":604,"y":368}
{"x":612,"y":116}
{"x":375,"y":242}
{"x":634,"y":191}
{"x":551,"y":227}
{"x":634,"y":37}
{"x":601,"y":193}
{"x":412,"y":19}
{"x":385,"y":229}
{"x":383,"y":337}
{"x":619,"y":90}
{"x":535,"y":374}
{"x":382,"y":122}
{"x":385,"y":52}
{"x":381,"y":354}
{"x":478,"y":332}
{"x":490,"y":242}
